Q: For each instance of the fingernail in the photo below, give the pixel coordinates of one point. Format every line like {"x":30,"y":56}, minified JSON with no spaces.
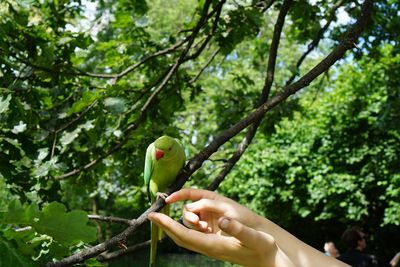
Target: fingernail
{"x":224,"y":223}
{"x":190,"y":206}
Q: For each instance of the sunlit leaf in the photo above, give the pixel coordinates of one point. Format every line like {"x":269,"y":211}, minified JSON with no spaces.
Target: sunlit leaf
{"x":68,"y":228}
{"x":4,"y":103}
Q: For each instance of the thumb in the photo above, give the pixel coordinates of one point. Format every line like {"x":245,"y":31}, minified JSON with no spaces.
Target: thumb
{"x":248,"y":236}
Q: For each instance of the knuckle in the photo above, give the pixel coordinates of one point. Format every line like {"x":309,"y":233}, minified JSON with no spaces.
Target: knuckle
{"x":203,"y":202}
{"x":236,"y":228}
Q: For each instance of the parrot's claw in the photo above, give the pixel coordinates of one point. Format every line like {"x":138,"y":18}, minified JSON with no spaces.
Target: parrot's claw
{"x":122,"y":245}
{"x":161,"y":195}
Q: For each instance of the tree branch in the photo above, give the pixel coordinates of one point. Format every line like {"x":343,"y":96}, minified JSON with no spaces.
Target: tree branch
{"x":228,"y":166}
{"x":273,"y":52}
{"x":347,"y":42}
{"x":269,"y":4}
{"x":109,"y":219}
{"x":218,"y":9}
{"x":116,"y":254}
{"x":314,"y":43}
{"x":214,"y":54}
{"x":196,"y":162}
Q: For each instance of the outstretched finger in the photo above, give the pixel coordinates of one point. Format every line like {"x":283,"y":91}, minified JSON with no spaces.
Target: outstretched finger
{"x":182,"y":236}
{"x":190,"y":194}
{"x":172,"y":228}
{"x":208,"y":205}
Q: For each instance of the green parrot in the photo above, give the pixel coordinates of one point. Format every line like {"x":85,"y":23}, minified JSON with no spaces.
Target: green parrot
{"x":165,"y":157}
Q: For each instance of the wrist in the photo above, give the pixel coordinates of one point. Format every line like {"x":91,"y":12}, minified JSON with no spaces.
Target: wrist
{"x":281,"y":259}
{"x":275,"y":257}
{"x":263,"y":225}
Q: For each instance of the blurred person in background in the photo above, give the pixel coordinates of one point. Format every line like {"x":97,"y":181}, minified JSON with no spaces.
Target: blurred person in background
{"x":354,"y":239}
{"x":330,"y":249}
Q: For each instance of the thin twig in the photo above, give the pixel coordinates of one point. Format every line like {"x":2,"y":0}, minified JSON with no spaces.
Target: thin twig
{"x":273,"y":52}
{"x":23,"y":229}
{"x":77,"y":118}
{"x":314,"y":43}
{"x":268,"y":5}
{"x":210,"y":34}
{"x":53,"y":147}
{"x":159,"y":53}
{"x":214,"y":54}
{"x":143,"y":92}
{"x":68,"y":124}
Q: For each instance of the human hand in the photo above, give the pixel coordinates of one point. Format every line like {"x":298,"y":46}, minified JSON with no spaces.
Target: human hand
{"x":208,"y":208}
{"x":220,"y":228}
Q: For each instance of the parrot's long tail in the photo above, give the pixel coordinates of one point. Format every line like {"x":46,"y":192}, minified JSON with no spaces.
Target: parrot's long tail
{"x":156,"y":235}
{"x":153,"y":244}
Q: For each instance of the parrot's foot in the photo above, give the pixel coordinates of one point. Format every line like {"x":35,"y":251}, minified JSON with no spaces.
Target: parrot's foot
{"x":161,"y":195}
{"x":122,"y":245}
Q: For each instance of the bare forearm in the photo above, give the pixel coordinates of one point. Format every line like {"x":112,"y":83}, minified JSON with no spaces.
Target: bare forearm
{"x":297,"y":251}
{"x":395,"y":260}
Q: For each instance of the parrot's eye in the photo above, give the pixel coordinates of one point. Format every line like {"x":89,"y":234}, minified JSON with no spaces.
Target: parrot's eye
{"x":170,"y":148}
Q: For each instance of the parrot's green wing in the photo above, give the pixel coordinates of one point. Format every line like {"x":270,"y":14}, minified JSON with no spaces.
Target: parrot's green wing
{"x":183,"y":150}
{"x":148,"y":167}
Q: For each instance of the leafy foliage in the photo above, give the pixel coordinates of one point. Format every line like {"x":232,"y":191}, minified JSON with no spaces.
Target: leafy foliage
{"x":35,"y":233}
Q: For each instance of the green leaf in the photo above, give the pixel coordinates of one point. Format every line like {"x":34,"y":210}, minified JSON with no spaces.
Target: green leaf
{"x":68,"y":228}
{"x":123,"y":20}
{"x":19,"y":214}
{"x":10,"y":256}
{"x":241,"y":23}
{"x":23,"y":240}
{"x":21,"y":127}
{"x":4,"y":103}
{"x":69,"y":137}
{"x":85,"y":101}
{"x":94,"y":263}
{"x":115,"y":104}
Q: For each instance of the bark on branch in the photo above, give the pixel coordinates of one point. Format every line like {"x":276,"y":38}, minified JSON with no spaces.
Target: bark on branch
{"x":116,"y":254}
{"x":109,"y":219}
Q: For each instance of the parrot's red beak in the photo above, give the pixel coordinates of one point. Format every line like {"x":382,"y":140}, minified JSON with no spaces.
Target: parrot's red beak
{"x":159,"y":154}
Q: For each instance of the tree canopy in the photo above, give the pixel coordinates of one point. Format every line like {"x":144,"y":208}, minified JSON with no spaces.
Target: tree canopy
{"x":289,"y":107}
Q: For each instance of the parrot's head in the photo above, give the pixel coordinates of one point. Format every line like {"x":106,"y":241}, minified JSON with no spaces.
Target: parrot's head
{"x":165,"y":146}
